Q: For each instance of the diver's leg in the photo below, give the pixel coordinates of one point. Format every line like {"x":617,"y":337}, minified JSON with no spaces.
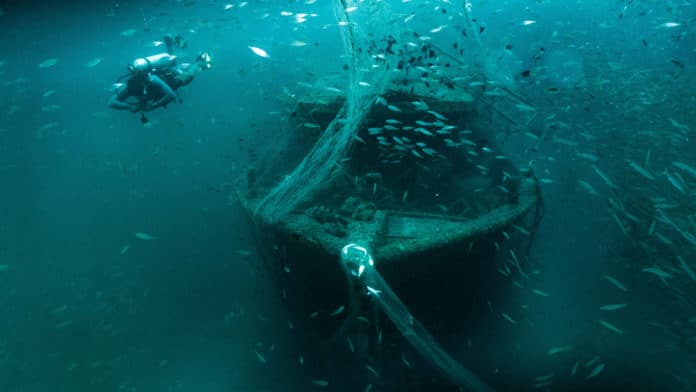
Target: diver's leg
{"x":186,"y":74}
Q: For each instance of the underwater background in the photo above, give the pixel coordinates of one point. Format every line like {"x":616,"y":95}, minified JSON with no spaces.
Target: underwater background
{"x":127,"y":264}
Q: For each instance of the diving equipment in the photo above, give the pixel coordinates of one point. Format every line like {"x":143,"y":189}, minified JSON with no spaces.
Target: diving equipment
{"x":154,"y":63}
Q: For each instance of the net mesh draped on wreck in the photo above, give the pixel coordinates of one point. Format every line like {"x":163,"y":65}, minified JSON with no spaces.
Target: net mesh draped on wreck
{"x":358,"y":265}
{"x":410,"y":129}
{"x":409,"y":116}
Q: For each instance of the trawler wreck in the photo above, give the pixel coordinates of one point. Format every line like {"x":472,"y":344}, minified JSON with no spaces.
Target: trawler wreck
{"x":402,"y":199}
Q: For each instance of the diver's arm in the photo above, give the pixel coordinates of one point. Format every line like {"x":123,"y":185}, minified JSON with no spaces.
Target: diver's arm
{"x":118,"y":101}
{"x":168,"y":94}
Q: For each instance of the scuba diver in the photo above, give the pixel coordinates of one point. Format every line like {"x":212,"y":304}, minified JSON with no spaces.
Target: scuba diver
{"x":154,"y":80}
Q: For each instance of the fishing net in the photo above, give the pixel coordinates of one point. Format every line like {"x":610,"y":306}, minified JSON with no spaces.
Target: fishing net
{"x":359,"y":265}
{"x":400,"y":155}
{"x":383,"y":55}
{"x":364,"y":86}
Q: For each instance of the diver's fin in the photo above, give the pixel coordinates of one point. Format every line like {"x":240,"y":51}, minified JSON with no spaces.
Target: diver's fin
{"x":169,"y":43}
{"x":172,"y":41}
{"x":205,"y":60}
{"x":180,"y":42}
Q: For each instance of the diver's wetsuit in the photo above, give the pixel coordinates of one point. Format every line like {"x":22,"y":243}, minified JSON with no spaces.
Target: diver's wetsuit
{"x":158,"y":90}
{"x":180,"y":75}
{"x":149,"y":90}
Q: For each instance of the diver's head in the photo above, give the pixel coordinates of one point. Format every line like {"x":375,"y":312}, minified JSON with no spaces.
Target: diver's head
{"x":139,"y":67}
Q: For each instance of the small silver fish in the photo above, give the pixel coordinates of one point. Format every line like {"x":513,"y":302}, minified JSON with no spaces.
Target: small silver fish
{"x":423,"y":131}
{"x":589,"y":188}
{"x":128,"y":32}
{"x":508,"y":318}
{"x":124,"y":249}
{"x":429,"y":151}
{"x":116,"y":86}
{"x":416,"y":154}
{"x":372,"y":291}
{"x":641,"y":170}
{"x":437,"y":115}
{"x":48,"y":63}
{"x":540,"y":293}
{"x":589,"y":157}
{"x":657,"y":271}
{"x":669,"y":25}
{"x":615,"y":282}
{"x":144,"y":236}
{"x":674,"y":181}
{"x":404,"y":360}
{"x":685,"y":167}
{"x":686,"y":268}
{"x":310,"y":125}
{"x":420,"y":105}
{"x":598,"y":369}
{"x":612,"y":307}
{"x":611,"y":327}
{"x":604,"y":177}
{"x":94,"y":62}
{"x":338,"y":311}
{"x":556,"y":350}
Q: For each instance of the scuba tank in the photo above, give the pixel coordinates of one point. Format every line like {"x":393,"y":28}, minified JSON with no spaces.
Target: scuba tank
{"x":140,"y":68}
{"x":154,"y":63}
